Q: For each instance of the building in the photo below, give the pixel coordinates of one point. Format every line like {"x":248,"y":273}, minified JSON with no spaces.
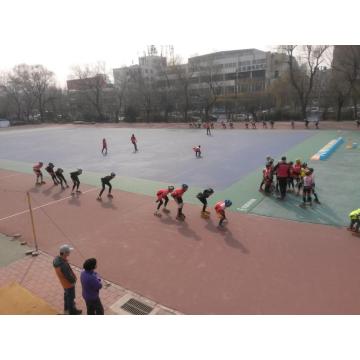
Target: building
{"x":236,"y":71}
{"x":99,"y":80}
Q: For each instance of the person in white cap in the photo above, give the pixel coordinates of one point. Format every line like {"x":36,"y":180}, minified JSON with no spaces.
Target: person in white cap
{"x":67,"y":279}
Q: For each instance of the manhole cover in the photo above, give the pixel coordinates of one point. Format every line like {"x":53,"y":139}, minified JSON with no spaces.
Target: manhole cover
{"x":136,"y":307}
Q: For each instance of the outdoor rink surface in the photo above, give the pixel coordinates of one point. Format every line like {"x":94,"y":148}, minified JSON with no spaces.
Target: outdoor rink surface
{"x":259,"y":265}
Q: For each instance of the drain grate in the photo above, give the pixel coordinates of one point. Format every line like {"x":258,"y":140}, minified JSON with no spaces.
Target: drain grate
{"x":136,"y":307}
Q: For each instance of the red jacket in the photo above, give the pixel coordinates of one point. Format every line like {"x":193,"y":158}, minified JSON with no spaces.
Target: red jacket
{"x":178,"y":193}
{"x":282,"y":170}
{"x":161,"y":194}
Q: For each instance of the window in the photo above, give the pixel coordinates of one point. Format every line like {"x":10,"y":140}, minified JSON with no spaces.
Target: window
{"x":231,"y":76}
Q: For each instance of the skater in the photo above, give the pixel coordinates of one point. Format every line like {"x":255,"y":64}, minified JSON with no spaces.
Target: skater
{"x":134,"y":141}
{"x":264,"y":124}
{"x":231,"y":125}
{"x":197,"y":150}
{"x":38,"y":173}
{"x":163,"y":195}
{"x":208,"y":132}
{"x":50,"y":170}
{"x":297,"y":175}
{"x":212,"y":125}
{"x":307,"y":189}
{"x":306,"y":123}
{"x":282,"y":174}
{"x":75,"y":178}
{"x":203,"y":196}
{"x":290,"y":182}
{"x":253,"y":123}
{"x":316,"y":199}
{"x":61,"y":178}
{"x":106,"y":181}
{"x":272,"y":122}
{"x":220,"y":211}
{"x":177,"y":196}
{"x":104,"y":149}
{"x":292,"y":124}
{"x":354,"y":221}
{"x":317,"y":123}
{"x":223,"y":124}
{"x":267,"y":178}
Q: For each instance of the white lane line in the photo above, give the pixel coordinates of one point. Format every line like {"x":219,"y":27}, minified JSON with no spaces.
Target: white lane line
{"x":246,"y":205}
{"x":9,"y":176}
{"x":41,"y":206}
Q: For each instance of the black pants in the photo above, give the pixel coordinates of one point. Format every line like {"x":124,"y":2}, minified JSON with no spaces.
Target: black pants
{"x":103,"y":183}
{"x":314,"y":193}
{"x":282,"y":186}
{"x":135,"y":146}
{"x":69,"y":300}
{"x":203,"y":201}
{"x":291,"y":183}
{"x":307,"y":194}
{"x":180,"y":203}
{"x":198,"y":153}
{"x":53,"y":177}
{"x":94,"y":307}
{"x":61,"y":179}
{"x":38,"y":174}
{"x":161,"y":202}
{"x":208,"y":132}
{"x":355,"y":222}
{"x":76,"y":182}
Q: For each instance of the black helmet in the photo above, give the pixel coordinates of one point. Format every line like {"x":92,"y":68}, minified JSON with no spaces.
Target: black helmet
{"x":185,"y":186}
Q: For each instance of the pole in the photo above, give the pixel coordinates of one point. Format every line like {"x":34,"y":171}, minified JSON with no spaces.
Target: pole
{"x":33,"y":225}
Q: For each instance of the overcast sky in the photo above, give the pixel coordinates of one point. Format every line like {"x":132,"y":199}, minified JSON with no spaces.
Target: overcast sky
{"x":60,"y":34}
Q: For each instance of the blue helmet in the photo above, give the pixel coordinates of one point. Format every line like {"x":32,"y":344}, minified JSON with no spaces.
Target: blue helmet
{"x":185,"y":186}
{"x":228,"y":203}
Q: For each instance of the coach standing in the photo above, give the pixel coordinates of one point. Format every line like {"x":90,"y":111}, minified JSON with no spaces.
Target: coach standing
{"x":282,"y":173}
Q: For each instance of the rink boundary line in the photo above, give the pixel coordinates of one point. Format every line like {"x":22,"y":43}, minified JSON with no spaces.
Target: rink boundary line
{"x":41,"y":206}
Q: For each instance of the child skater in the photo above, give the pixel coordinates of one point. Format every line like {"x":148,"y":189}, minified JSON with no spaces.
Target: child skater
{"x":39,"y":176}
{"x":76,"y":182}
{"x":197,"y":150}
{"x":50,"y":170}
{"x":104,"y":147}
{"x":162,"y":196}
{"x":177,"y":195}
{"x":134,"y":141}
{"x":203,"y":196}
{"x":220,"y":211}
{"x":106,"y":181}
{"x":61,"y":178}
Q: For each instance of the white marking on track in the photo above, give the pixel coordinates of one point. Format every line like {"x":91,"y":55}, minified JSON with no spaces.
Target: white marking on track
{"x":246,"y":205}
{"x":41,"y":206}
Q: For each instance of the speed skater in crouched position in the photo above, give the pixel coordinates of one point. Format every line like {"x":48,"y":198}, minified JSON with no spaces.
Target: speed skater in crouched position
{"x":39,"y":176}
{"x":197,"y":150}
{"x":220,"y":210}
{"x":203,"y":196}
{"x":177,"y":195}
{"x":106,"y":181}
{"x":59,"y":174}
{"x":162,"y":198}
{"x":76,"y":182}
{"x":50,"y":170}
{"x":354,"y":222}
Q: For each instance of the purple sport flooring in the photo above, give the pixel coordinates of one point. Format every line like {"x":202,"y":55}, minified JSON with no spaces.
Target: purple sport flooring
{"x":165,"y":154}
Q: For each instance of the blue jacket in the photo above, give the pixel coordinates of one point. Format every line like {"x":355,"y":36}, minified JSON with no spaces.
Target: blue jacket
{"x":91,"y":284}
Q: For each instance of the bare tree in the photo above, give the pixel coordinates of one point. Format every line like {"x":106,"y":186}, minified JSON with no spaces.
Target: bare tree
{"x":93,"y":81}
{"x":302,"y":72}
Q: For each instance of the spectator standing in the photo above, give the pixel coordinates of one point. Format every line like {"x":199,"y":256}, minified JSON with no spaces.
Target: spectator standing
{"x":67,"y":279}
{"x":91,"y":285}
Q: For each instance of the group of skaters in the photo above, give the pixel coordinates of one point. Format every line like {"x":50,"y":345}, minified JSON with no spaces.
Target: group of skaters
{"x":177,"y":194}
{"x":285,"y":177}
{"x":133,"y":140}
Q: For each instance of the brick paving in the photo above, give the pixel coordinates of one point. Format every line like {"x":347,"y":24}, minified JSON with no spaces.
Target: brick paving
{"x":37,"y":275}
